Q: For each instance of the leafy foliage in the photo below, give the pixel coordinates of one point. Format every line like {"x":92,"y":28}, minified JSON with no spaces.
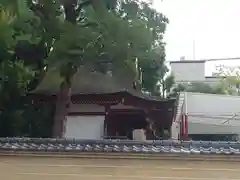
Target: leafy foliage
{"x":197,"y":87}
{"x":229,"y":79}
{"x":37,"y":36}
{"x":19,"y":64}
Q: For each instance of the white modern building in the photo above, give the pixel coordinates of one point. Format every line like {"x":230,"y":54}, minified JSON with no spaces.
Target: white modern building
{"x":186,"y":71}
{"x":199,"y":113}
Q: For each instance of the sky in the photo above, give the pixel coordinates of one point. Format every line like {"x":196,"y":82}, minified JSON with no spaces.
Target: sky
{"x":212,"y":25}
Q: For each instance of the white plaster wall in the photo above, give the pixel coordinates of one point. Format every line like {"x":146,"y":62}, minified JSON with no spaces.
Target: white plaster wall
{"x":211,"y":104}
{"x":85,"y":127}
{"x":86,"y":108}
{"x":188,"y":72}
{"x":175,"y":130}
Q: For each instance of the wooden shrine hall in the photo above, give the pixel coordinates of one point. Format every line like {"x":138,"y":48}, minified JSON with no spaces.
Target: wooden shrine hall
{"x":103,"y":106}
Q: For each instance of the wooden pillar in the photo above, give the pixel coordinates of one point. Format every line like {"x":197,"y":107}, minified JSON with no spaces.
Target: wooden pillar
{"x":186,"y":127}
{"x":182,"y":127}
{"x":170,"y":132}
{"x":106,"y":121}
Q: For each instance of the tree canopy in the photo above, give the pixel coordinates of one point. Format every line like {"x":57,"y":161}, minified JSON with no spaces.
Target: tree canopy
{"x":226,"y":81}
{"x":62,"y":35}
{"x":199,"y":87}
{"x":229,"y":79}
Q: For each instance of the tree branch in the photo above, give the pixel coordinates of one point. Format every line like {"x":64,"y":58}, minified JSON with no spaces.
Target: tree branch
{"x":82,"y":5}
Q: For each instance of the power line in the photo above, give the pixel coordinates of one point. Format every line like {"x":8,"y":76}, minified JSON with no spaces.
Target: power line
{"x":211,"y":59}
{"x":230,"y":118}
{"x":222,"y":59}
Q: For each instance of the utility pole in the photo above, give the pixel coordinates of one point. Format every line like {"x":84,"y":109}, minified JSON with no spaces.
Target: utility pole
{"x":194,"y":49}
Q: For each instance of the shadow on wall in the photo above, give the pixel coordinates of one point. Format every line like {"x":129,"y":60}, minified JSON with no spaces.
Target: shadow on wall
{"x":214,"y":137}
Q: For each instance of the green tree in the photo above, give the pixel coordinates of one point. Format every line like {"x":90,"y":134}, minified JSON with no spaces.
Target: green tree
{"x":229,"y":79}
{"x":23,"y":50}
{"x":196,"y":87}
{"x":13,"y":75}
{"x":59,"y":36}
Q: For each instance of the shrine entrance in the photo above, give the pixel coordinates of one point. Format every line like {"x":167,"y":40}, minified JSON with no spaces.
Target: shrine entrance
{"x":122,"y":123}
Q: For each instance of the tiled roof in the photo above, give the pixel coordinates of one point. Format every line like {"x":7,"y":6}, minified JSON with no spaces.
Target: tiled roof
{"x":167,"y":146}
{"x":84,"y":82}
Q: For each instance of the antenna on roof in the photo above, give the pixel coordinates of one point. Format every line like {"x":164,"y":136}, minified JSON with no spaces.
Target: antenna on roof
{"x":194,"y":50}
{"x":182,"y":58}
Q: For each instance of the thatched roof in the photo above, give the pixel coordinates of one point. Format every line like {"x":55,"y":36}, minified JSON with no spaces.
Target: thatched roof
{"x":84,"y":82}
{"x":95,"y":83}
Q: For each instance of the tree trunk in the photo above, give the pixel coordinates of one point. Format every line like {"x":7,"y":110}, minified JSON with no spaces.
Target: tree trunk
{"x":62,"y":104}
{"x":100,"y":9}
{"x":64,"y":96}
{"x":150,"y":129}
